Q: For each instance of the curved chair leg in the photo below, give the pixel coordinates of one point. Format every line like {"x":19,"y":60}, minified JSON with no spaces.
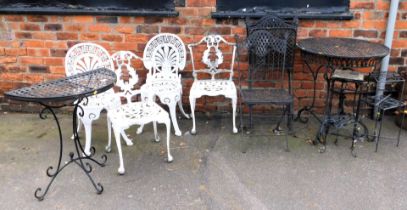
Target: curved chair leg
{"x":181,"y":108}
{"x":108,"y":147}
{"x":126,"y":139}
{"x":87,"y":123}
{"x":234,"y":104}
{"x":168,"y":126}
{"x":287,"y":113}
{"x":140,"y":129}
{"x":156,"y":136}
{"x":117,"y":133}
{"x":79,"y":126}
{"x":192,"y":102}
{"x":172,"y":106}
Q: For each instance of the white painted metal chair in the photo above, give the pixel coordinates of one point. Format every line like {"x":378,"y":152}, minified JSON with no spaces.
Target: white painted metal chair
{"x":214,"y":64}
{"x":165,"y":55}
{"x":123,"y":116}
{"x":81,"y":58}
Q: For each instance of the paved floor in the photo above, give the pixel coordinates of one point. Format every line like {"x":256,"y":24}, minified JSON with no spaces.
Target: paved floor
{"x":213,"y":170}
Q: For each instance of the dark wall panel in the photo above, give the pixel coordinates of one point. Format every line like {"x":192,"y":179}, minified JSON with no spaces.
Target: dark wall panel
{"x":233,"y":5}
{"x":165,"y":5}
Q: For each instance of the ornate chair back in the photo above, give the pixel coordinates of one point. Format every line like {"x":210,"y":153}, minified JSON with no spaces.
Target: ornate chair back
{"x":267,"y":60}
{"x":164,"y":55}
{"x":218,"y":56}
{"x":127,"y":77}
{"x":83,"y":57}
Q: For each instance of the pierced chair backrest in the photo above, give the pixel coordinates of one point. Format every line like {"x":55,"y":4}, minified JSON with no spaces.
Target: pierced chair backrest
{"x":279,"y":28}
{"x":267,"y":59}
{"x":127,"y":77}
{"x":216,"y":56}
{"x":164,"y":55}
{"x":83,"y":57}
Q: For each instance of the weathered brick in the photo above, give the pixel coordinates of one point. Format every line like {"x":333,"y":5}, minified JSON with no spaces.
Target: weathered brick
{"x":14,"y":18}
{"x":30,"y":27}
{"x":38,"y":52}
{"x":112,"y":37}
{"x":125,"y":29}
{"x":15,"y":51}
{"x":34,"y":43}
{"x":99,"y":28}
{"x":89,"y":36}
{"x":37,"y":18}
{"x":340,"y":33}
{"x":168,"y":29}
{"x":52,"y":27}
{"x":74,"y":27}
{"x":318,"y":33}
{"x":8,"y":59}
{"x":53,"y":61}
{"x":361,"y":5}
{"x":44,"y":35}
{"x":38,"y":69}
{"x":23,"y":35}
{"x":397,"y":61}
{"x":67,"y":36}
{"x":195,"y":30}
{"x":31,"y":60}
{"x":58,"y":52}
{"x":151,"y":20}
{"x":365,"y":33}
{"x":148,"y":29}
{"x":107,"y":19}
{"x":201,"y":3}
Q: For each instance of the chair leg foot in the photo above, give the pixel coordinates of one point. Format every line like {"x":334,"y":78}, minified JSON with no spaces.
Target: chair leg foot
{"x":108,"y":149}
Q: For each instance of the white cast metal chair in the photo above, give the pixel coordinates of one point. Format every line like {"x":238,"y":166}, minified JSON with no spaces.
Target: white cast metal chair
{"x":165,"y":55}
{"x":81,"y":58}
{"x":133,"y":113}
{"x":214,"y":64}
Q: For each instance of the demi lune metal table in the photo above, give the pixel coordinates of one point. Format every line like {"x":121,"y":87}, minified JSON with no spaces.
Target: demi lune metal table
{"x":69,"y":91}
{"x":336,"y":53}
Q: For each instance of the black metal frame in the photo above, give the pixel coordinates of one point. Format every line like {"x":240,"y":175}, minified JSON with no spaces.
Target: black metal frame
{"x":78,"y":156}
{"x":338,"y":53}
{"x":74,"y":88}
{"x":385,"y":103}
{"x":270,"y":46}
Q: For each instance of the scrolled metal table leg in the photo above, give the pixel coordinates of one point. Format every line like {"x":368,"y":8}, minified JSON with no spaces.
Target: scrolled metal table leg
{"x":310,"y":108}
{"x":39,"y":194}
{"x":78,"y":160}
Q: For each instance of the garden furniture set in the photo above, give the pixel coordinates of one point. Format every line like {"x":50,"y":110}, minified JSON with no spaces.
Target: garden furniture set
{"x":270,"y":48}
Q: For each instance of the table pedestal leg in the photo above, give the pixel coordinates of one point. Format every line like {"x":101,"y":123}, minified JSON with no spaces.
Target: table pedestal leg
{"x":75,"y":157}
{"x":309,"y":109}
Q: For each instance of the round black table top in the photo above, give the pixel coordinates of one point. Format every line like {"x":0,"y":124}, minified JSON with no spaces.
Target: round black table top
{"x":343,"y":48}
{"x":69,"y":88}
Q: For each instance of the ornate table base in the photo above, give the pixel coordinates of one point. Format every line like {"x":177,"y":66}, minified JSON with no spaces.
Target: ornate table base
{"x":78,"y":156}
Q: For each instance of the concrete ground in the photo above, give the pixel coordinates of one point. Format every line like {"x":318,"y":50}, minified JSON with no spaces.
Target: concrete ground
{"x":214,"y":169}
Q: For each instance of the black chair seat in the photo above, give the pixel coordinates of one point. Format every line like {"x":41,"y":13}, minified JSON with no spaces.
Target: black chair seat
{"x":273,"y":96}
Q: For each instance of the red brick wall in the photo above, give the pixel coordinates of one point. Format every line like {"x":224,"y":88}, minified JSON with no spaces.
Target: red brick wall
{"x":32,"y":48}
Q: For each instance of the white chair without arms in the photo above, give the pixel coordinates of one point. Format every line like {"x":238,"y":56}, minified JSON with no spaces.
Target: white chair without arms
{"x":133,"y":112}
{"x":206,"y":82}
{"x":164,"y":56}
{"x":84,"y":57}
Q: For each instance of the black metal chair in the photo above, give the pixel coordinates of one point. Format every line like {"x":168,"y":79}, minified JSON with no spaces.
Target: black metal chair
{"x":268,"y":79}
{"x":394,"y":84}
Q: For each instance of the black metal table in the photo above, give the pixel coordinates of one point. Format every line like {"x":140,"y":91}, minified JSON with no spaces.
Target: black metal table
{"x":69,"y":91}
{"x":336,"y":53}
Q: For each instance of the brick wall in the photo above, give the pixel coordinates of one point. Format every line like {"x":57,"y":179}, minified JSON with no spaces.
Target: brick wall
{"x":32,"y":48}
